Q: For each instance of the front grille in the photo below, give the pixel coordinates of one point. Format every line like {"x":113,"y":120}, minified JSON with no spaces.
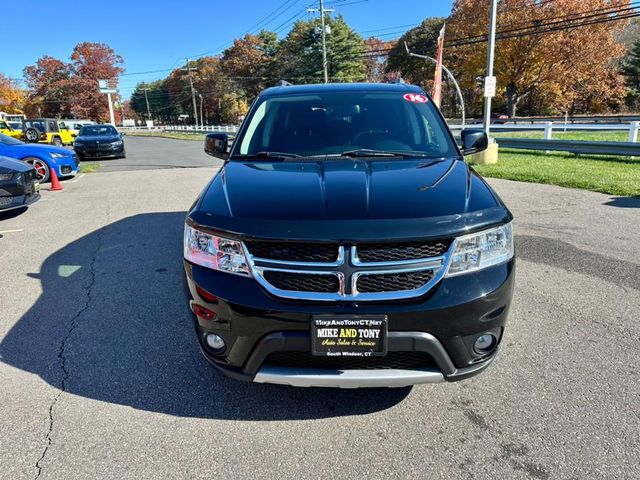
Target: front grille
{"x":393,"y":360}
{"x":392,"y":282}
{"x":302,"y":282}
{"x":390,"y":252}
{"x":369,"y":271}
{"x":92,"y":148}
{"x":294,"y":252}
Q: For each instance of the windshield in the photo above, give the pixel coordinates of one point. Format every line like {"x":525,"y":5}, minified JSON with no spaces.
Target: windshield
{"x":336,"y":122}
{"x":98,"y":130}
{"x":7,"y":140}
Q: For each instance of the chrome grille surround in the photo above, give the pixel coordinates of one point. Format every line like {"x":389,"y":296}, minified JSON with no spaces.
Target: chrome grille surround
{"x":348,"y":269}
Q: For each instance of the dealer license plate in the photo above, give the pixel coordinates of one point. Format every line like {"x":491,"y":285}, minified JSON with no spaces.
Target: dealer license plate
{"x":355,"y":336}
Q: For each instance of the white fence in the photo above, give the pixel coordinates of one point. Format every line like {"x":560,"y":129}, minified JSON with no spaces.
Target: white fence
{"x":183,"y":128}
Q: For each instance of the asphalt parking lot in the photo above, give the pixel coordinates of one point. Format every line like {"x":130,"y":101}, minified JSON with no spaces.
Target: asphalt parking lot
{"x":101,"y":376}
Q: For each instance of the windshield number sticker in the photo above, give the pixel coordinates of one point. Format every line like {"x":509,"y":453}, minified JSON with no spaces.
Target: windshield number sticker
{"x":415,"y":98}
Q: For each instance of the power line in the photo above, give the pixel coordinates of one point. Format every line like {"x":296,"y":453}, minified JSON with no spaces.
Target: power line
{"x":536,"y":24}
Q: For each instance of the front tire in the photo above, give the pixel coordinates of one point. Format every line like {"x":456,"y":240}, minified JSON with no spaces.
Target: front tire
{"x":57,"y":142}
{"x":43,"y":172}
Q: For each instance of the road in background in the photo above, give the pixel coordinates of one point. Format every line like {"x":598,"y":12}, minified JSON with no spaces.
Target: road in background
{"x":101,"y":375}
{"x":152,"y":153}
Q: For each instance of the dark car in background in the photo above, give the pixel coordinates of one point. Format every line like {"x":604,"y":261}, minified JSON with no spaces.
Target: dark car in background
{"x":99,"y":141}
{"x":18,"y":185}
{"x":346,"y":243}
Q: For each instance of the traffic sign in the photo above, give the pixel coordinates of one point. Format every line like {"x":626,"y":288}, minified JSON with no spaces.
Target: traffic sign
{"x":489,"y":86}
{"x":107,"y":86}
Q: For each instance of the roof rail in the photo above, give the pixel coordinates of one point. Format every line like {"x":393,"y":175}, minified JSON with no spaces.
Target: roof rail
{"x":283,"y":83}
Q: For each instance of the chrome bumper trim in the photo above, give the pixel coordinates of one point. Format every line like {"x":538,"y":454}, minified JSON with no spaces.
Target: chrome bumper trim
{"x":306,"y":377}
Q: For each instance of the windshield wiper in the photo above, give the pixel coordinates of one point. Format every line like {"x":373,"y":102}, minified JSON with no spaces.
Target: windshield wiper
{"x":365,"y":152}
{"x":280,"y":155}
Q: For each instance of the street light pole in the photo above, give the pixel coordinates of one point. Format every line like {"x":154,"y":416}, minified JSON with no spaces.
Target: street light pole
{"x":201,"y":116}
{"x":490,"y":56}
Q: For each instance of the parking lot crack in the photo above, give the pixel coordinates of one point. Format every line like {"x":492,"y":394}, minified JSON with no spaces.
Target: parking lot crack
{"x":63,"y":348}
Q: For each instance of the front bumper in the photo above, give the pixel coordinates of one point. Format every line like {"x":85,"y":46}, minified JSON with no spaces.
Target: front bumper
{"x":18,"y":201}
{"x":87,"y":152}
{"x":440,"y":324}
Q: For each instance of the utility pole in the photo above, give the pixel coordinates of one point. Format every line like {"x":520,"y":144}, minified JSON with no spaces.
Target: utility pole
{"x":146,"y":97}
{"x":490,"y":80}
{"x":322,"y":11}
{"x":193,"y":92}
{"x":324,"y":43}
{"x":122,"y":111}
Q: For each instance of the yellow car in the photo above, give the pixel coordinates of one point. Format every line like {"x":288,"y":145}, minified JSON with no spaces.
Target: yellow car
{"x":46,"y":130}
{"x":7,"y":130}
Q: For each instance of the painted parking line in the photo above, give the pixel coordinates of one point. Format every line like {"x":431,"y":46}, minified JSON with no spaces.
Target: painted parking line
{"x":77,"y":178}
{"x":11,"y":231}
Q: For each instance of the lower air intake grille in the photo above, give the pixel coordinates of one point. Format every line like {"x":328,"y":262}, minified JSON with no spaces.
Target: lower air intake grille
{"x":391,"y":282}
{"x":303,"y":282}
{"x":393,"y":360}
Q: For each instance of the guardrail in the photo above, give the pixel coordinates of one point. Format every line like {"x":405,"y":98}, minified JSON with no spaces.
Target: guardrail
{"x":549,"y":127}
{"x":580,"y":119}
{"x":624,"y":149}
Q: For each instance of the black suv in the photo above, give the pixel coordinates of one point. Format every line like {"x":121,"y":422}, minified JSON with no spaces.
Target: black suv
{"x":346,"y":243}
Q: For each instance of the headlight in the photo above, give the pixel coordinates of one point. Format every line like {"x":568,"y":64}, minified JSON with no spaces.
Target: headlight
{"x":214,"y":252}
{"x":6,"y":176}
{"x":481,"y":250}
{"x":58,"y":155}
{"x":117,"y":143}
{"x":78,"y":144}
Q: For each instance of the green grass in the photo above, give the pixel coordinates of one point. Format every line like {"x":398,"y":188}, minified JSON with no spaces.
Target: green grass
{"x":558,"y":134}
{"x":89,"y":167}
{"x":613,"y":175}
{"x":198,"y":137}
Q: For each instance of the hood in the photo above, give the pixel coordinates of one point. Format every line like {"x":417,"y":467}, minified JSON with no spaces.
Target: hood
{"x":350,"y":195}
{"x":98,"y":138}
{"x":8,"y":165}
{"x":41,"y":148}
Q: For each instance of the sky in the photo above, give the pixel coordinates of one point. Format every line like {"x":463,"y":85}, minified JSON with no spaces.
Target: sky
{"x":158,"y":35}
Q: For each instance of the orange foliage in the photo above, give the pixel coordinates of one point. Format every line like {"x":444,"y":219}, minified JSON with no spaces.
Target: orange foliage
{"x":559,"y":70}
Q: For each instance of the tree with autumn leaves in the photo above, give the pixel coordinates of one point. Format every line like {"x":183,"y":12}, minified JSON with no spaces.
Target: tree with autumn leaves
{"x":11,"y":95}
{"x":582,"y":69}
{"x":558,"y":70}
{"x":229,"y":82}
{"x":70,"y":89}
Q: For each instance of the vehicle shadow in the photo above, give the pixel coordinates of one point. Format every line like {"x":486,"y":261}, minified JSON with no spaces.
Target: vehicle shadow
{"x":6,"y":215}
{"x":111,"y":324}
{"x":624,"y":202}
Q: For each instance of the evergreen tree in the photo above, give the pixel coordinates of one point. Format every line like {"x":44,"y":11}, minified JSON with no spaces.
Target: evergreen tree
{"x":299,"y":55}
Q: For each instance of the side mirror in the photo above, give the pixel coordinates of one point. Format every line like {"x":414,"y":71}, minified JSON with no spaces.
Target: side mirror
{"x":217,"y":145}
{"x":474,"y":140}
